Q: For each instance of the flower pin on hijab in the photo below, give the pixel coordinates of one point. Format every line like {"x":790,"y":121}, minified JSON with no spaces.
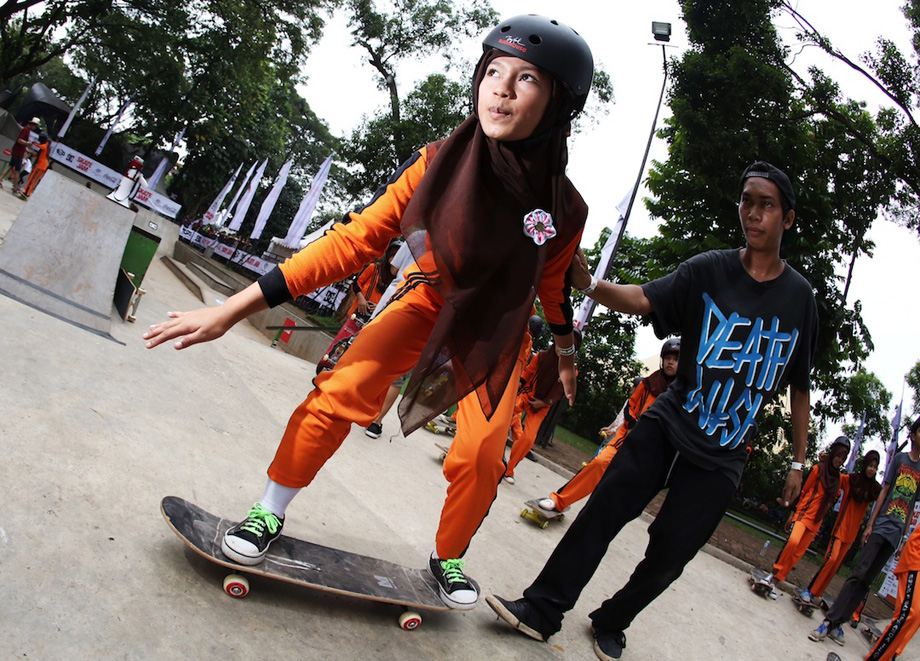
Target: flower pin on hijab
{"x":538,"y":225}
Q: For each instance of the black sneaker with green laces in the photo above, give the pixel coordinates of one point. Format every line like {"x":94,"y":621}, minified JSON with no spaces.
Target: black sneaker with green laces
{"x":248,"y":541}
{"x":455,"y":589}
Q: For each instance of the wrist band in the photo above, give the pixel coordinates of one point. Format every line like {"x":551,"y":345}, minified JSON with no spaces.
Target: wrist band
{"x":590,"y":288}
{"x":797,"y":466}
{"x":565,"y":351}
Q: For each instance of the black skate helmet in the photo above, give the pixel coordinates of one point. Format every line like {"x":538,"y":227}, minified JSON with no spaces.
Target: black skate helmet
{"x":671,"y":345}
{"x":535,"y":326}
{"x":552,"y":46}
{"x":841,"y":440}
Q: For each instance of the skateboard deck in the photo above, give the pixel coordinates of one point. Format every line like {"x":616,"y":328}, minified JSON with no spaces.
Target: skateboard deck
{"x":806,"y":608}
{"x":127,"y":296}
{"x":757,"y":585}
{"x":307,"y":564}
{"x":340,"y":343}
{"x":444,"y":450}
{"x":870,"y":630}
{"x":442,"y":425}
{"x":539,"y":515}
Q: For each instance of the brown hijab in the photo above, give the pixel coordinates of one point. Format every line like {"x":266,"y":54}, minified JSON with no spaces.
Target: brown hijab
{"x":467,"y":213}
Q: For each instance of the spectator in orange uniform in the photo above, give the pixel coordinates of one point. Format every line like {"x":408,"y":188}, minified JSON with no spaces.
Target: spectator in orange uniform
{"x":818,"y":494}
{"x":859,"y":491}
{"x":41,"y":164}
{"x":642,"y":397}
{"x":540,"y":389}
{"x":906,"y":620}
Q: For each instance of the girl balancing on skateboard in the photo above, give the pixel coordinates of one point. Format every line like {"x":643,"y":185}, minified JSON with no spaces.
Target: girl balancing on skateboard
{"x":492,"y":221}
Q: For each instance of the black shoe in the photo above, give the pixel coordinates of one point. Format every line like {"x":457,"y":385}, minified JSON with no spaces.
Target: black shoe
{"x":515,"y":613}
{"x":455,"y":590}
{"x":374,"y":430}
{"x":247,"y":542}
{"x":530,"y":455}
{"x":608,"y":645}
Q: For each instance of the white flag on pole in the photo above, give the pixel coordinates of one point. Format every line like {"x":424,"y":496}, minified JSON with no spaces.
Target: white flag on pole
{"x":108,"y":134}
{"x":211,"y":213}
{"x":221,"y":217}
{"x":270,"y":201}
{"x":895,"y":423}
{"x":302,"y":218}
{"x":164,"y":162}
{"x":246,"y":200}
{"x":73,"y":111}
{"x":586,"y":309}
{"x":857,"y":444}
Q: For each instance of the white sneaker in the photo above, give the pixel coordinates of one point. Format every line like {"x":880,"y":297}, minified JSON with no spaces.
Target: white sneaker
{"x":547,"y":504}
{"x":508,"y":479}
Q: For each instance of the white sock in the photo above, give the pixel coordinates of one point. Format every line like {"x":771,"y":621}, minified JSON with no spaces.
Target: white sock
{"x":277,"y":497}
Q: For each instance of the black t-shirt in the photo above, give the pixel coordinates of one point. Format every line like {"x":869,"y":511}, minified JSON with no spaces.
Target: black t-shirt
{"x":742,"y":341}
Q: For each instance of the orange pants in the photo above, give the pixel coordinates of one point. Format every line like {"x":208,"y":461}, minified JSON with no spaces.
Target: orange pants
{"x":836,"y":552}
{"x":903,"y":625}
{"x":586,"y":479}
{"x":34,"y":178}
{"x":795,"y":548}
{"x":353,"y":392}
{"x":523,"y":437}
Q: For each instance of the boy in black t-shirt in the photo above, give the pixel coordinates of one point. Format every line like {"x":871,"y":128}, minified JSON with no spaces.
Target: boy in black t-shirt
{"x":748,"y":323}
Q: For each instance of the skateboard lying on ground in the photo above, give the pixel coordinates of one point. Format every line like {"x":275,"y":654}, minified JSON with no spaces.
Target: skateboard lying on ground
{"x":444,"y":450}
{"x":442,"y":425}
{"x":539,"y":515}
{"x":758,"y":586}
{"x":310,"y":565}
{"x":870,"y":630}
{"x":806,"y":608}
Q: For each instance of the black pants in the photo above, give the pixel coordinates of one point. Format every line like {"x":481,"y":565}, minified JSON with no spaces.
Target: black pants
{"x":873,"y":557}
{"x":646,"y":463}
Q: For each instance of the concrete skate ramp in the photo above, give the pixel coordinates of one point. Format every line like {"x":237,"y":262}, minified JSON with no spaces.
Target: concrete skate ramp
{"x":62,"y":254}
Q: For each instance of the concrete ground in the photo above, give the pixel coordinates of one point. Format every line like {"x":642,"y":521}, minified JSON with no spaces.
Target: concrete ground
{"x":95,"y":433}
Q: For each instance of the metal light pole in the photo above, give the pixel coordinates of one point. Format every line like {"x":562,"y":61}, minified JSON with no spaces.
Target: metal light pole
{"x":662,"y":33}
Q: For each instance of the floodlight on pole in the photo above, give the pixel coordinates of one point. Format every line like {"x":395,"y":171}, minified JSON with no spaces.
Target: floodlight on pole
{"x":661,"y":31}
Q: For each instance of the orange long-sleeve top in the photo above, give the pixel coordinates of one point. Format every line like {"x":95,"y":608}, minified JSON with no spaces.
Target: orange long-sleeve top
{"x":851,"y":515}
{"x":810,"y":501}
{"x":41,"y":163}
{"x":348,"y":246}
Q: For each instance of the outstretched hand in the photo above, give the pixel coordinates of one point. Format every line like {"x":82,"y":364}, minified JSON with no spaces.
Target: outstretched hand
{"x":793,"y":487}
{"x":201,"y":325}
{"x":579,"y":273}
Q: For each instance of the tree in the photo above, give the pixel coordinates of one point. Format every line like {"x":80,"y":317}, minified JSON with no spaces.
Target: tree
{"x":893,"y":140}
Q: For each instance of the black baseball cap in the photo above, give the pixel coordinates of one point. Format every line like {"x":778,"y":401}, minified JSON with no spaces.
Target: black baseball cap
{"x":767,"y":171}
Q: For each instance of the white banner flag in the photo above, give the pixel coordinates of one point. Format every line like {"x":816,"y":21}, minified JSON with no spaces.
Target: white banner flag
{"x":73,"y":111}
{"x":211,"y":213}
{"x":161,"y":166}
{"x":108,"y":134}
{"x":246,"y":200}
{"x":586,"y":309}
{"x":857,"y":444}
{"x":302,"y":218}
{"x":270,"y":201}
{"x":221,"y":217}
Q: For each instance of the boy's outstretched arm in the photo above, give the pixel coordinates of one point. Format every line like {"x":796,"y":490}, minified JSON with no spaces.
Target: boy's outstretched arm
{"x":206,"y":324}
{"x":630,"y":299}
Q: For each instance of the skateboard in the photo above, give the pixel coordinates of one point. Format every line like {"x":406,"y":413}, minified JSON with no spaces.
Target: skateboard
{"x":756,"y":579}
{"x":806,"y":608}
{"x":442,"y":425}
{"x":444,"y":450}
{"x":870,"y":630}
{"x":127,"y":296}
{"x":310,"y":565}
{"x":341,"y":342}
{"x":539,"y":515}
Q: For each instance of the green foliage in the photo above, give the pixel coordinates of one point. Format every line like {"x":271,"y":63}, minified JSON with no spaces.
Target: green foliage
{"x":913,"y":380}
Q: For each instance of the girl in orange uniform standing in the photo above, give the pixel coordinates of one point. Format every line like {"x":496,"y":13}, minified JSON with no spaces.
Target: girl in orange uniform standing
{"x":859,"y":491}
{"x":818,"y":494}
{"x":492,"y":221}
{"x":906,"y":620}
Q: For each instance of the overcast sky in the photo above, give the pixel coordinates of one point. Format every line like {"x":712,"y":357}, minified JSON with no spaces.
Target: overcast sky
{"x":605,"y":159}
